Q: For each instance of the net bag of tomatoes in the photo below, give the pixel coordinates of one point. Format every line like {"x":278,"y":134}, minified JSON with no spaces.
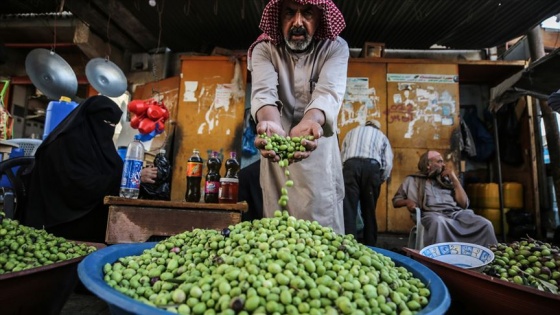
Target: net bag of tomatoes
{"x":149,"y":118}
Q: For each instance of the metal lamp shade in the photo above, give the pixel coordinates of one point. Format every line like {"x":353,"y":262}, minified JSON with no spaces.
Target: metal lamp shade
{"x":51,"y":74}
{"x":106,"y":77}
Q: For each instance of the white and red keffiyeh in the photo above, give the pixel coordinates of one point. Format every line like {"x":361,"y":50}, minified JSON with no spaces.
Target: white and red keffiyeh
{"x":331,"y":24}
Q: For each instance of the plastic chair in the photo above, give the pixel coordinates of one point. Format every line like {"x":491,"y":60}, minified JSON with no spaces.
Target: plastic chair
{"x":416,"y":237}
{"x":14,"y":197}
{"x":29,"y":146}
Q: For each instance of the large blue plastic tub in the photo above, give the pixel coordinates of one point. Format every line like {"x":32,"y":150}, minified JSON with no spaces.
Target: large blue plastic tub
{"x":90,"y":271}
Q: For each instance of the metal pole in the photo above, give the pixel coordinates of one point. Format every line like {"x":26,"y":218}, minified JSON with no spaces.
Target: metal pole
{"x":536,"y":45}
{"x":499,"y":171}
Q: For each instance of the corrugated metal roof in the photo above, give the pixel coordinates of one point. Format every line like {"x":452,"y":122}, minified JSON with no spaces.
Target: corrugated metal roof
{"x":200,"y":25}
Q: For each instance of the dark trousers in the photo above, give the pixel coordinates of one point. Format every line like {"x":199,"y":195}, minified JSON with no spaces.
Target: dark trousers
{"x":89,"y":228}
{"x":362,"y":182}
{"x":250,"y":191}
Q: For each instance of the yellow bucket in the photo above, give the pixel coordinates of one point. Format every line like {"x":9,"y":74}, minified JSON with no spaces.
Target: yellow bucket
{"x":513,"y":195}
{"x":490,"y":197}
{"x":474,"y":192}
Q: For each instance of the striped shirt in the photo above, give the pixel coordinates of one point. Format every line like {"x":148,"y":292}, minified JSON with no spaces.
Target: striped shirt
{"x":370,"y":143}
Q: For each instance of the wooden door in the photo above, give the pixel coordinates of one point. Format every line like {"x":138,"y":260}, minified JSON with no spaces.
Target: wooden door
{"x":423,"y":111}
{"x":210,"y":112}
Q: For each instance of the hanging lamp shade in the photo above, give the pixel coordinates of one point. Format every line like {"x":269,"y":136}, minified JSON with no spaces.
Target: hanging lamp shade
{"x":106,"y":77}
{"x":51,"y":74}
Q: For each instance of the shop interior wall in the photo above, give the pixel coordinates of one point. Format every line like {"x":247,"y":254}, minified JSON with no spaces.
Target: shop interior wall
{"x":406,"y":111}
{"x":489,"y":171}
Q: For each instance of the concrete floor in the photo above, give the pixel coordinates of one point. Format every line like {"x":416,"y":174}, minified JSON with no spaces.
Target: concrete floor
{"x":85,"y":304}
{"x":82,"y":302}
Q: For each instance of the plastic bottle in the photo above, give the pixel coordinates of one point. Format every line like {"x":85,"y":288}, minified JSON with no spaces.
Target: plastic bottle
{"x":232,"y":165}
{"x":212,"y":186}
{"x":130,"y":180}
{"x":229,"y":184}
{"x":194,"y":177}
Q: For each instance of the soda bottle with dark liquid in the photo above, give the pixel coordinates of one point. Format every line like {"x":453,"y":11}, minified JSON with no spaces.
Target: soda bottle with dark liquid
{"x":212,"y":186}
{"x":229,"y":184}
{"x":232,"y":165}
{"x":194,"y":177}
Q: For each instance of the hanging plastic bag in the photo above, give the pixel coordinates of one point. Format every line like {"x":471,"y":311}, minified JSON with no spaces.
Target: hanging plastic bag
{"x":161,"y":188}
{"x":249,"y":135}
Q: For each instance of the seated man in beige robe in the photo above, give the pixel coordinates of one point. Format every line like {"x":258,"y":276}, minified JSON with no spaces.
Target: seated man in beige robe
{"x":439,"y":194}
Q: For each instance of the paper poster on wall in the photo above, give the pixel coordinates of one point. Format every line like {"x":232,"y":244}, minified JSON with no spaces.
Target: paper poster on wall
{"x":431,"y":104}
{"x":190,"y":88}
{"x":217,"y":106}
{"x":223,"y":95}
{"x":361,"y":95}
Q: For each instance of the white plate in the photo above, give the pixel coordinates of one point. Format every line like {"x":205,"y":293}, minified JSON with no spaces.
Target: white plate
{"x":464,"y":255}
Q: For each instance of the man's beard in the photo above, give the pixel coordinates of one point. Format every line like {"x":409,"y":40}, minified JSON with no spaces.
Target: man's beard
{"x":434,"y":173}
{"x":442,"y":181}
{"x":298,"y":45}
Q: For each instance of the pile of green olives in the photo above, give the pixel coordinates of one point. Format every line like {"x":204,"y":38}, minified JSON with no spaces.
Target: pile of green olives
{"x":23,"y":247}
{"x":526,"y":262}
{"x":285,"y":147}
{"x":279,"y":265}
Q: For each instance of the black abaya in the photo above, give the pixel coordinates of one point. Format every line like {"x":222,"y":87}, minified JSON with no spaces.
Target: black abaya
{"x":75,"y":167}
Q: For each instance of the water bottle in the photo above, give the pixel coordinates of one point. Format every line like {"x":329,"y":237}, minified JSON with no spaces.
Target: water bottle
{"x":130,"y":180}
{"x":232,"y":165}
{"x":212,"y":185}
{"x":194,"y":177}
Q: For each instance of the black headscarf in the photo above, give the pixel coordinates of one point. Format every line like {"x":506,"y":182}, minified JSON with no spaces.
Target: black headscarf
{"x":75,"y":167}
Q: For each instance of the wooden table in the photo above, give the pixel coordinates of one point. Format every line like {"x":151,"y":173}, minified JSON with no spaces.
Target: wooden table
{"x":136,"y":220}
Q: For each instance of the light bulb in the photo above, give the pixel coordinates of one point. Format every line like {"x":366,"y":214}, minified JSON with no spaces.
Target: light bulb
{"x":152,"y":3}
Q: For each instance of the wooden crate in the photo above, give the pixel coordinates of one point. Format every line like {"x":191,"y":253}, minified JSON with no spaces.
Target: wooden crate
{"x":136,"y":220}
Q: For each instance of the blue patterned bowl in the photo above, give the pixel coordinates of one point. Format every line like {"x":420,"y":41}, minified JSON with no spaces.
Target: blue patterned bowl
{"x":464,"y":255}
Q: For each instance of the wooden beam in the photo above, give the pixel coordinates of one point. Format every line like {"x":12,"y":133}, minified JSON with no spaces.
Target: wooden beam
{"x":551,"y":40}
{"x":97,"y":19}
{"x":94,"y":47}
{"x":129,"y":23}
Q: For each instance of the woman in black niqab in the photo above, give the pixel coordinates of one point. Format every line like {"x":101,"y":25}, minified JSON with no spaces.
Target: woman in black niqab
{"x":76,"y":166}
